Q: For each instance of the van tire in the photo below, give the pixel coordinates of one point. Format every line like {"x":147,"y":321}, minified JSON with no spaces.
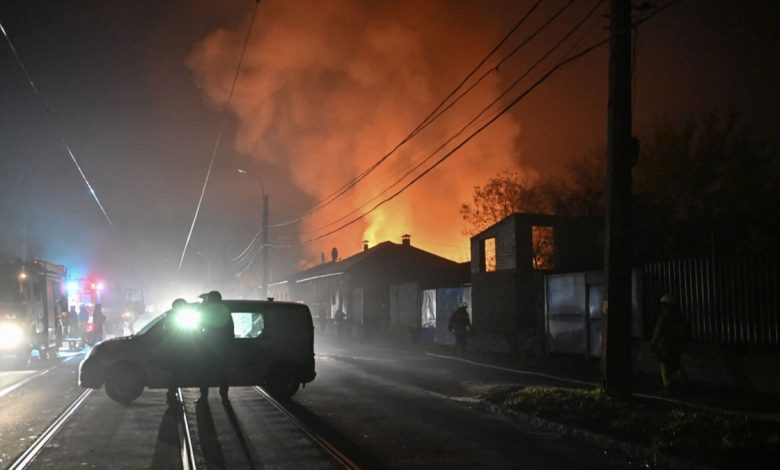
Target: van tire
{"x":279,"y":382}
{"x":125,"y":383}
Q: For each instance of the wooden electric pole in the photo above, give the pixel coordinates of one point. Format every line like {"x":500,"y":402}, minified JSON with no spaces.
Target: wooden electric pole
{"x":621,"y":152}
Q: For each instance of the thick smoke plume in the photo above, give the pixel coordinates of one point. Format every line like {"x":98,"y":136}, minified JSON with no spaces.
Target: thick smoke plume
{"x":327,"y":88}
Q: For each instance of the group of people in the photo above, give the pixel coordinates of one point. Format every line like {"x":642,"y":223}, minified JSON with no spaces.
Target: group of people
{"x":216,"y":331}
{"x":74,"y":324}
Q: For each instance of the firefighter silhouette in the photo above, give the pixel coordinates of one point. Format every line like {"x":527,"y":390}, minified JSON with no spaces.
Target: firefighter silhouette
{"x":671,"y":338}
{"x":460,"y":326}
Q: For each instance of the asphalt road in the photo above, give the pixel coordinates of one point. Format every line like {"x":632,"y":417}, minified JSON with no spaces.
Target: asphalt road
{"x":406,"y":409}
{"x":381,"y":408}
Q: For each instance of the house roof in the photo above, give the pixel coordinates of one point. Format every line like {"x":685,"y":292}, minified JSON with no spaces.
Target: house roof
{"x":383,"y":253}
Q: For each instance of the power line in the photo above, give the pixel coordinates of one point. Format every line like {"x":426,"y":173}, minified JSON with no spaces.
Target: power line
{"x":64,"y":142}
{"x":507,"y":56}
{"x":461,"y":144}
{"x":327,"y":200}
{"x":249,"y":246}
{"x":86,"y":181}
{"x":19,"y":60}
{"x":219,"y":135}
{"x":476,"y":118}
{"x":510,"y":105}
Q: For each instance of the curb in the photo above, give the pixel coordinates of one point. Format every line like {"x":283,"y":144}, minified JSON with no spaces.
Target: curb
{"x":649,"y":454}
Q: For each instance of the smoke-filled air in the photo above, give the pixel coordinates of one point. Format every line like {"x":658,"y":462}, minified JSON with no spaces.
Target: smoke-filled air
{"x":326,"y":89}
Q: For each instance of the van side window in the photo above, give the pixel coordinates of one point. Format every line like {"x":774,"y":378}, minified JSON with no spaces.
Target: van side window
{"x":247,"y":324}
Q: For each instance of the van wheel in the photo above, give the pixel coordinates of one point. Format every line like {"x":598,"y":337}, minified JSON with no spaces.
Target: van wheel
{"x":280,"y":384}
{"x":125,"y":383}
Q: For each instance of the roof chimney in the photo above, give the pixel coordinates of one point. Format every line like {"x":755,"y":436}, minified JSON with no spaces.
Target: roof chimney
{"x":365,"y":245}
{"x":406,"y":239}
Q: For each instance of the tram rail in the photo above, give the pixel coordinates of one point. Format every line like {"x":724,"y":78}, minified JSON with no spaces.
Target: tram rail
{"x":185,"y":437}
{"x":28,"y":456}
{"x":320,"y":440}
{"x":187,"y":450}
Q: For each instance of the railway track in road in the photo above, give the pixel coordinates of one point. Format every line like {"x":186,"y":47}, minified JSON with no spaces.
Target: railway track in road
{"x":185,"y":437}
{"x":254,"y":430}
{"x":260,"y":431}
{"x":321,"y":441}
{"x":27,"y":459}
{"x":28,"y":456}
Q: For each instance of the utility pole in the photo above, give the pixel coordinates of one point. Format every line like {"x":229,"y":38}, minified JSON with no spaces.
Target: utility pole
{"x":621,"y":153}
{"x":264,"y":246}
{"x":263,"y":233}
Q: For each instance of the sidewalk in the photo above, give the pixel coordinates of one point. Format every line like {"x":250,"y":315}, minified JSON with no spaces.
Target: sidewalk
{"x":706,"y":427}
{"x":580,"y":372}
{"x":579,"y":369}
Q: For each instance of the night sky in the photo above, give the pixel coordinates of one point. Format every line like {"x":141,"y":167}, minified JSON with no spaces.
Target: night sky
{"x":138,"y":91}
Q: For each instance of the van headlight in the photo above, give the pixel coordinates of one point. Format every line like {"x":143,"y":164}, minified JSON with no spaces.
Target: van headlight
{"x":11,"y":335}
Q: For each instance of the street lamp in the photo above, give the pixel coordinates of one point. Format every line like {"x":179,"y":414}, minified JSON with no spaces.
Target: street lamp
{"x":263,"y":233}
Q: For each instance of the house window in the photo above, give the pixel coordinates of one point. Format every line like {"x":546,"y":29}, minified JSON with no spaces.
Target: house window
{"x":489,"y":249}
{"x":543,"y":246}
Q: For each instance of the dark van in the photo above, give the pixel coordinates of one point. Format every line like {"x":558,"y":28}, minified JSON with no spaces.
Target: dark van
{"x":273,"y":348}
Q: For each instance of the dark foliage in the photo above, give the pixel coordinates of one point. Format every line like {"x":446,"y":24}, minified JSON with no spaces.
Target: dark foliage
{"x":713,"y":438}
{"x":703,"y":187}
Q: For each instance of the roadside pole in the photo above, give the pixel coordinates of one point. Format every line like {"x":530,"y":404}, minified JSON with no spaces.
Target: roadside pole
{"x":616,"y":357}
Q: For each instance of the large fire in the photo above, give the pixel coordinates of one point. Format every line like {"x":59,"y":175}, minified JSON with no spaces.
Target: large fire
{"x":327,"y":88}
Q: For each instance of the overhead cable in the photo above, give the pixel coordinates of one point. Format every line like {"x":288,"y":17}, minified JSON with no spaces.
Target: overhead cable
{"x":64,"y":143}
{"x":584,"y":52}
{"x":476,"y":118}
{"x":327,"y":200}
{"x":219,"y":136}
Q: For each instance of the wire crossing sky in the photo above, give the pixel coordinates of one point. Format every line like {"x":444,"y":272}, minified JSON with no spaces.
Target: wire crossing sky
{"x":86,"y":181}
{"x":440,"y":109}
{"x":552,"y":70}
{"x":219,"y":136}
{"x":64,"y":143}
{"x":19,"y":60}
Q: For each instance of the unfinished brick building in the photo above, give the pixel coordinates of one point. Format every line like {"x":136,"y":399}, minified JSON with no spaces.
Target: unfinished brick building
{"x":508,"y":263}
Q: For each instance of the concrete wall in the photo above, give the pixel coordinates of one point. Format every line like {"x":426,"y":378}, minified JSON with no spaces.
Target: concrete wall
{"x":506,"y":246}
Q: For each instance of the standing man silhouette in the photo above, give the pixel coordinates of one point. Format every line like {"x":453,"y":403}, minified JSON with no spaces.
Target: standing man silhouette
{"x":218,"y":336}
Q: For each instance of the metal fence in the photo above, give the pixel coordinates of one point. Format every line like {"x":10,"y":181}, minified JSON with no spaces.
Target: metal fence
{"x":728,"y":300}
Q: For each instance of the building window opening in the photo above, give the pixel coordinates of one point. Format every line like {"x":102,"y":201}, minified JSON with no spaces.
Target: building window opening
{"x":543,"y":241}
{"x":489,"y":245}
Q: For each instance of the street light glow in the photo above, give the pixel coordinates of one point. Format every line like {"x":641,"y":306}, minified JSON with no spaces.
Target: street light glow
{"x":244,"y":172}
